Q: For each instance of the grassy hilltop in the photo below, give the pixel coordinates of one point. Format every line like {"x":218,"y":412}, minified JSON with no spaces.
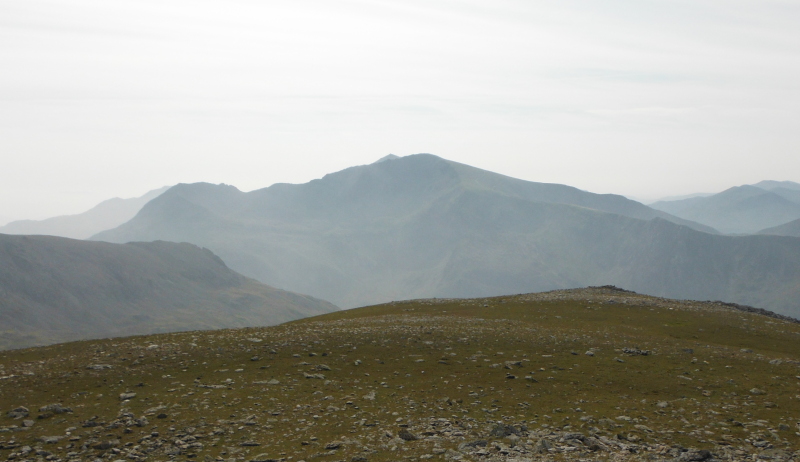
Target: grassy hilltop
{"x":590,"y":374}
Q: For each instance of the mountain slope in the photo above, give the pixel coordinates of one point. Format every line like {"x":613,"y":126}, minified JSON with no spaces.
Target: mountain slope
{"x":105,"y":215}
{"x":420,"y":226}
{"x":738,"y":210}
{"x":55,"y":289}
{"x":787,"y":229}
{"x":595,"y":374}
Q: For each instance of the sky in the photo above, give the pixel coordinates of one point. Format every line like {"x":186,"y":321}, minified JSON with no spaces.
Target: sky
{"x":644,"y":98}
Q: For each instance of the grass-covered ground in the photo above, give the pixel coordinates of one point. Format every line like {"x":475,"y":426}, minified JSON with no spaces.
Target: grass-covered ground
{"x":563,"y":371}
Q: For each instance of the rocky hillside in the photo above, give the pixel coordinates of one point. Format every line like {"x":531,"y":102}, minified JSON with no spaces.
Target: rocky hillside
{"x":55,"y":289}
{"x":591,"y":374}
{"x":421,"y":226}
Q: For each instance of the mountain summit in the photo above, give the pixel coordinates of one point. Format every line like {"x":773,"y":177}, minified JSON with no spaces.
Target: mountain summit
{"x":422,"y":226}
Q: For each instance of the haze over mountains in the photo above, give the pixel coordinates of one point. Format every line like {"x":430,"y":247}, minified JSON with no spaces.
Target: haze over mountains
{"x":743,"y":209}
{"x":55,"y":289}
{"x":421,"y":226}
{"x":105,"y":215}
{"x":787,"y":229}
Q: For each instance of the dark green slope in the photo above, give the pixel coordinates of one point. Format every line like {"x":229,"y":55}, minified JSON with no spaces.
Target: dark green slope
{"x":738,"y":210}
{"x":422,"y":227}
{"x":55,"y":289}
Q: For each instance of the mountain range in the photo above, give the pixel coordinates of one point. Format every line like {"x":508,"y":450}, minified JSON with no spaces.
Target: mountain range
{"x":422,"y":226}
{"x":746,"y":209}
{"x":55,"y":289}
{"x":105,"y":215}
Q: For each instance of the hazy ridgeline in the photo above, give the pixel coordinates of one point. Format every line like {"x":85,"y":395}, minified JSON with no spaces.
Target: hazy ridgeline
{"x":422,"y":226}
{"x":788,"y":229}
{"x":105,"y":215}
{"x":744,"y":209}
{"x":54,"y":289}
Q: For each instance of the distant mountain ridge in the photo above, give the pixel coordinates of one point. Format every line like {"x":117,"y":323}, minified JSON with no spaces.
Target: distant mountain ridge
{"x":771,"y":185}
{"x":55,"y":289}
{"x":787,"y":229}
{"x":105,"y":215}
{"x":421,"y":226}
{"x":743,"y":209}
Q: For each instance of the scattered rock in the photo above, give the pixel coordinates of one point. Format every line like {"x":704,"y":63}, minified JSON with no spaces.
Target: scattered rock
{"x":51,"y":439}
{"x":694,"y":455}
{"x":407,"y":435}
{"x":105,"y":445}
{"x":55,"y":408}
{"x":543,"y":446}
{"x":501,"y":430}
{"x":635,"y":352}
{"x":98,"y":367}
{"x":19,"y":412}
{"x":472,"y":444}
{"x":263,"y":458}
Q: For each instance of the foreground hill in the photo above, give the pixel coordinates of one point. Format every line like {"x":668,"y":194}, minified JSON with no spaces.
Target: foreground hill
{"x":421,"y":226}
{"x":591,"y":374}
{"x":742,"y":209}
{"x":55,"y":289}
{"x":105,"y":215}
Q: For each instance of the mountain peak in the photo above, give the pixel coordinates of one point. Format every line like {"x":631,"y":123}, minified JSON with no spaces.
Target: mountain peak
{"x":770,"y":185}
{"x":385,"y":158}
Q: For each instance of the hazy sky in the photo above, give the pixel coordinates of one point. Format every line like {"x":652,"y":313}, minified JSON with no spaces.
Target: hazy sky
{"x":645,"y":98}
